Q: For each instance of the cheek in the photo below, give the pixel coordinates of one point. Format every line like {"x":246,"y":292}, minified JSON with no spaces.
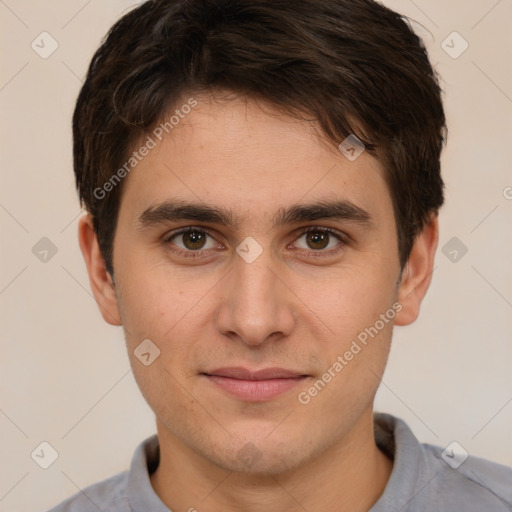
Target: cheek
{"x":173,"y":312}
{"x":155,"y":310}
{"x":352,"y":306}
{"x":153,"y":303}
{"x":351,"y":300}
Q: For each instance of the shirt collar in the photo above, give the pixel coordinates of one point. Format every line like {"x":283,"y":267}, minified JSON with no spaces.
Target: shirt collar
{"x":141,"y":495}
{"x":411,"y":471}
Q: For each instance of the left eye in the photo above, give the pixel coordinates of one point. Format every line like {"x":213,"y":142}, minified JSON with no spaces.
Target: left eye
{"x":318,"y":240}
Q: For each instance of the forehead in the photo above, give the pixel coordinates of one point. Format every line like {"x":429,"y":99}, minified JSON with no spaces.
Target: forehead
{"x":247,"y":156}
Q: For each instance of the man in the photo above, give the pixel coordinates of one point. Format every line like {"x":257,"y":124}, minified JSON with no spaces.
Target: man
{"x":262,"y":183}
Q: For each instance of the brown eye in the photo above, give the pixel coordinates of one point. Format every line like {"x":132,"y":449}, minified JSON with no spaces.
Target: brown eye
{"x":318,"y":240}
{"x":192,"y":240}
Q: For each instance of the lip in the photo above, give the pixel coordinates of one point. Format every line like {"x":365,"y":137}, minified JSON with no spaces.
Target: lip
{"x":254,"y":386}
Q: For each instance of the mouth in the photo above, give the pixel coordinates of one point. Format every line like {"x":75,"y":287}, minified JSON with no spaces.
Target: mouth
{"x":254,"y":386}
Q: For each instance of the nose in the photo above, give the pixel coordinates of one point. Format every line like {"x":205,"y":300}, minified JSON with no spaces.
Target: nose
{"x":256,"y":306}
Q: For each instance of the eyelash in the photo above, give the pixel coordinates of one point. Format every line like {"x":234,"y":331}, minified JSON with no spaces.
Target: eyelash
{"x":200,"y":252}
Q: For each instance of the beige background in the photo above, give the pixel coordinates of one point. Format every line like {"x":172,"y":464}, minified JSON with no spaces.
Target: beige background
{"x":65,"y":376}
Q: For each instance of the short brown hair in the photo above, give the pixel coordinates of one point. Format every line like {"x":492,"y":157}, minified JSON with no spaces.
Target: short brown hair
{"x":333,"y":60}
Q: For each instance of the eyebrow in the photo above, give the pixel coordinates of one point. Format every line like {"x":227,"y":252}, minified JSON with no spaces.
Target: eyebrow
{"x":169,"y":211}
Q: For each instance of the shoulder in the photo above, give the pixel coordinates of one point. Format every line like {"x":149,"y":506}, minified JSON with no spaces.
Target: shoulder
{"x":108,"y":496}
{"x":428,"y":477}
{"x":476,"y":484}
{"x":115,"y":494}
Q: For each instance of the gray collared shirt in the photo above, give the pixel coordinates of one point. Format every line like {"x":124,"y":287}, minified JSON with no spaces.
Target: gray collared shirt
{"x":421,"y":480}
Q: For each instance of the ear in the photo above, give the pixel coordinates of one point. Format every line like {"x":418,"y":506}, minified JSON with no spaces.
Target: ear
{"x":417,"y":274}
{"x":101,"y":281}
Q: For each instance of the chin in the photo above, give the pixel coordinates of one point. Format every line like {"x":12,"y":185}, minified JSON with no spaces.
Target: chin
{"x":259,"y":456}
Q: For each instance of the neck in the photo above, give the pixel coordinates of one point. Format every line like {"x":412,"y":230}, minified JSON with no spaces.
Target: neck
{"x":350,"y":475}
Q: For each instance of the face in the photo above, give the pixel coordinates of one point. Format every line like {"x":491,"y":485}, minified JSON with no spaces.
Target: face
{"x":263,"y":264}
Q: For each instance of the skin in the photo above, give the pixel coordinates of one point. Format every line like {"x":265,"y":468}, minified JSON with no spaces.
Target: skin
{"x":297,"y":306}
